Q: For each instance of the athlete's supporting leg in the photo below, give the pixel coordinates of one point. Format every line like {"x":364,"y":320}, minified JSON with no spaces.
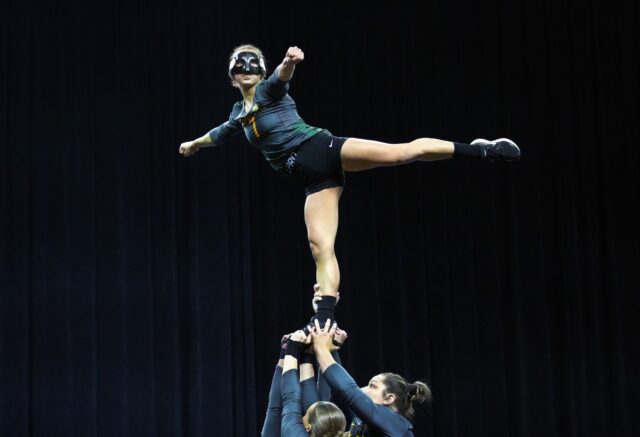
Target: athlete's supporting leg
{"x":321,"y":217}
{"x":358,"y":154}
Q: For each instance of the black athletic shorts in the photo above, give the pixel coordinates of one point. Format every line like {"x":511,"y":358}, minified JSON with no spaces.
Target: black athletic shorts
{"x":316,"y":162}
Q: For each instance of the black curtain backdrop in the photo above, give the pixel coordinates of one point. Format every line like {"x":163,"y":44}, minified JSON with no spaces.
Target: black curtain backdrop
{"x":143,"y":294}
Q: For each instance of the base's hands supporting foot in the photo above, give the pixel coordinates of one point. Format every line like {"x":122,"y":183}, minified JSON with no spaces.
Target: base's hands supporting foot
{"x":283,"y":345}
{"x":339,"y":337}
{"x":323,"y":337}
{"x":502,"y":149}
{"x":300,"y":337}
{"x":317,"y":297}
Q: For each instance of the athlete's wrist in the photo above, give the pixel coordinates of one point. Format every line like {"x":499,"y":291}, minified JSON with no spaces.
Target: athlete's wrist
{"x":203,"y":140}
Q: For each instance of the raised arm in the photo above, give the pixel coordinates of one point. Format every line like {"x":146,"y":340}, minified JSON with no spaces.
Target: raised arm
{"x":310,"y":393}
{"x":271,"y":426}
{"x":293,"y":56}
{"x":291,"y":393}
{"x":324,"y":391}
{"x":323,"y":343}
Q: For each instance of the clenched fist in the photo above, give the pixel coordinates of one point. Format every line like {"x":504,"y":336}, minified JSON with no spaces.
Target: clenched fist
{"x":294,"y":55}
{"x":189,"y":148}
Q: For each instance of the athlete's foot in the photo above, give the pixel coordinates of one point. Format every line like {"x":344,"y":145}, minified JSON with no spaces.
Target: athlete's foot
{"x":502,"y":149}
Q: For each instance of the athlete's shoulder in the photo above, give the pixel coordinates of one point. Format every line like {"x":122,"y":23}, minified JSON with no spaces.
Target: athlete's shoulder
{"x":236,"y":108}
{"x":273,"y":88}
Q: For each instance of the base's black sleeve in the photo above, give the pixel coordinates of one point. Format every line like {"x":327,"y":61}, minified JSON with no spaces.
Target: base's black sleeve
{"x":271,"y":426}
{"x":324,"y":391}
{"x":291,"y":425}
{"x":309,"y":393}
{"x":327,"y":394}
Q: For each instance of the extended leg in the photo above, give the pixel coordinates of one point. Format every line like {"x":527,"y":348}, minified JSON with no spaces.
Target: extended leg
{"x":358,"y":154}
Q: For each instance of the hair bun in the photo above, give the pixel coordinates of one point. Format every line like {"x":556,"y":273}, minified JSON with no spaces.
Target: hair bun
{"x":419,"y":392}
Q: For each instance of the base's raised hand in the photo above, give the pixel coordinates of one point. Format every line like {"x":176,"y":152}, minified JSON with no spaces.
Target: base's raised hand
{"x":323,"y":337}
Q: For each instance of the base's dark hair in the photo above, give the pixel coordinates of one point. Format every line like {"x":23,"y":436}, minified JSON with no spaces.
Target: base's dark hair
{"x":408,"y":396}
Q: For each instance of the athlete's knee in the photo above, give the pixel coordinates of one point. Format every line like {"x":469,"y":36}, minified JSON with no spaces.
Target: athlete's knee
{"x":321,"y":249}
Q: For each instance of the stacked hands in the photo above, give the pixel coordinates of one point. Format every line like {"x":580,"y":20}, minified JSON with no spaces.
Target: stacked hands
{"x":327,"y":338}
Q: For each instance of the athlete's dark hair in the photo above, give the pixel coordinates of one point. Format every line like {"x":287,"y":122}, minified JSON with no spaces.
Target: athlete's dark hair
{"x":408,"y":396}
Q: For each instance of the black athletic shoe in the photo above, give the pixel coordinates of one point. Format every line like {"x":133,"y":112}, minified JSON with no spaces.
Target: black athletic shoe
{"x":502,"y":149}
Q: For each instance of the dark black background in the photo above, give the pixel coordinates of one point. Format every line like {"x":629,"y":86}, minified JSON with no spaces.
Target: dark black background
{"x":145,"y":294}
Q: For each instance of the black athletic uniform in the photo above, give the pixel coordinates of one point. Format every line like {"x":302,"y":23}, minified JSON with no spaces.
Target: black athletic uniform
{"x":290,"y":146}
